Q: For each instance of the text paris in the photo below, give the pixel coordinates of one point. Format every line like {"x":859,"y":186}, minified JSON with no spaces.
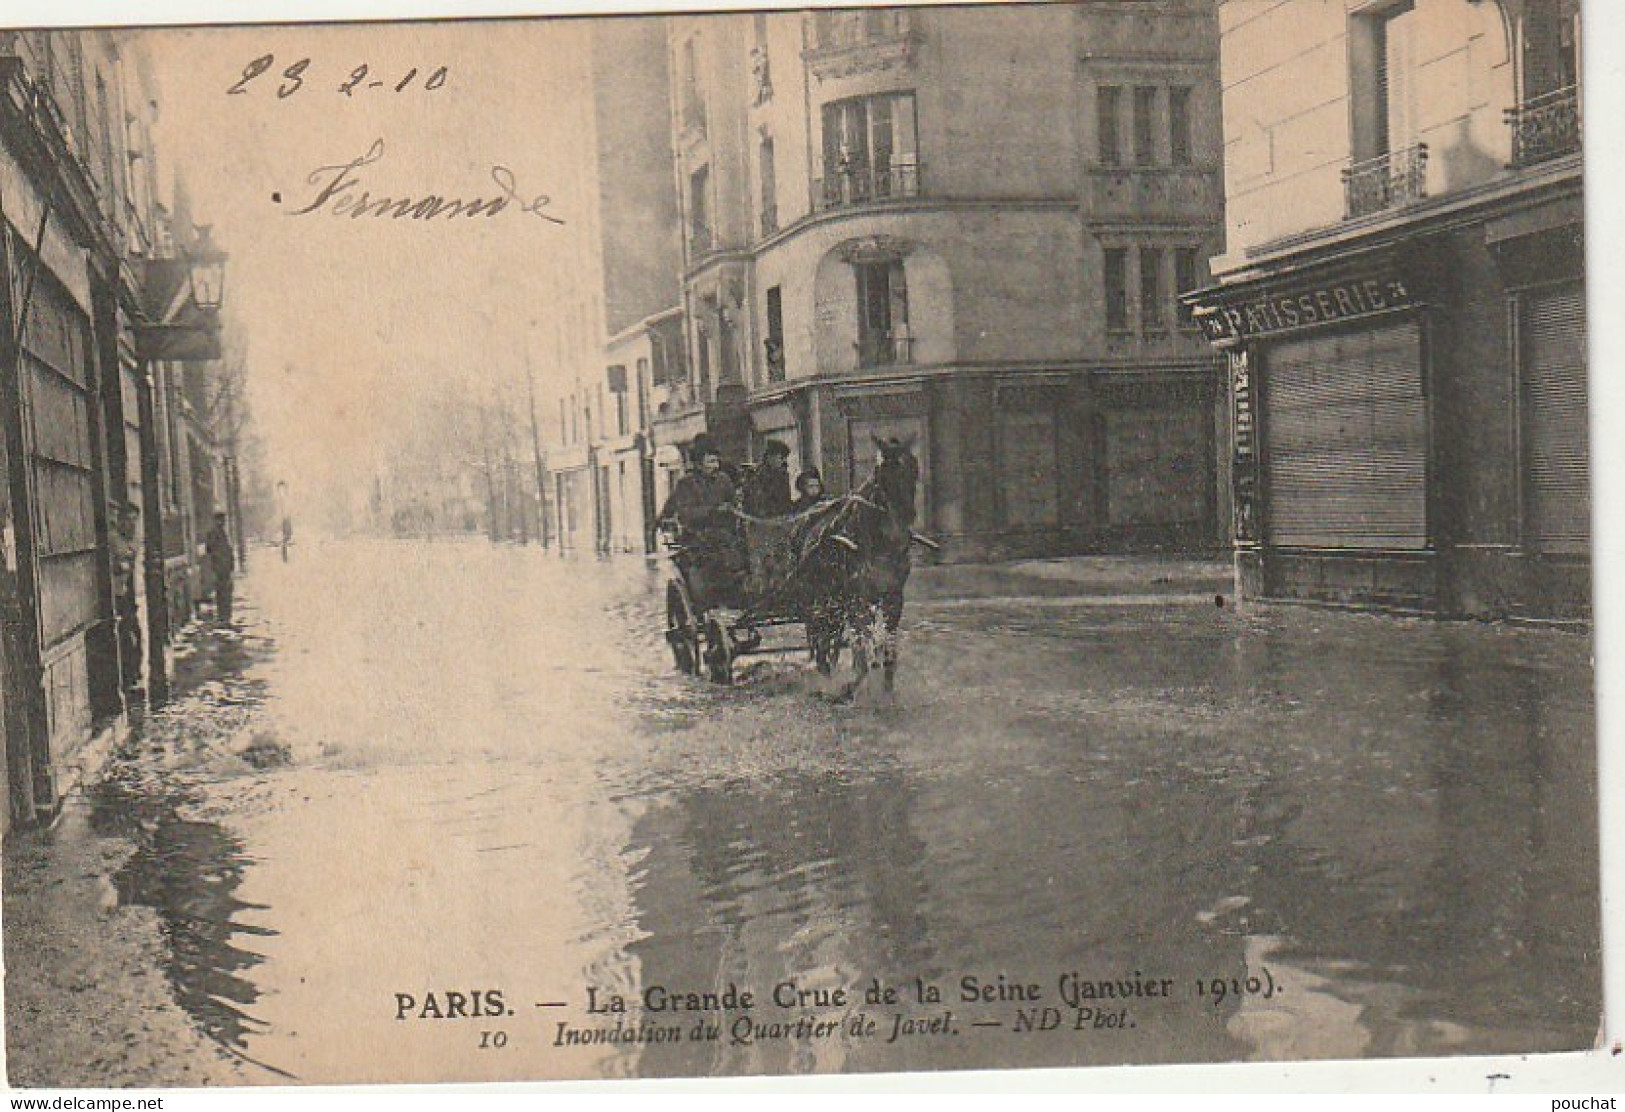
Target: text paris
{"x":341,"y":191}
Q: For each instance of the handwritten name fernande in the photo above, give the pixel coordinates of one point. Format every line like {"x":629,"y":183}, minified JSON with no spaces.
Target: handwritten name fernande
{"x":341,"y":191}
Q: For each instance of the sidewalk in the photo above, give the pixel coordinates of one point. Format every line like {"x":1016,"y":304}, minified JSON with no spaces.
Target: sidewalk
{"x":1075,"y":577}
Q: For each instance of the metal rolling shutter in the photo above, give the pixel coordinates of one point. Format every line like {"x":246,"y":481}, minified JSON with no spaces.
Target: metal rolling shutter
{"x":1558,"y":519}
{"x":1346,"y":433}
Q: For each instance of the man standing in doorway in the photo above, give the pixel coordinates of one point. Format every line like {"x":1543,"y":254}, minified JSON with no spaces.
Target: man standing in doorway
{"x":222,"y":563}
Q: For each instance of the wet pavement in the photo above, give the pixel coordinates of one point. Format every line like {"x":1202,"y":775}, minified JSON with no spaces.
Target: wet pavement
{"x":435,"y":810}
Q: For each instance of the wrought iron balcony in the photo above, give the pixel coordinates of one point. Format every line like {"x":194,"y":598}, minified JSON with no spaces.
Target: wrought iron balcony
{"x":860,"y":184}
{"x":885,"y":349}
{"x":1385,"y":182}
{"x":1547,"y":126}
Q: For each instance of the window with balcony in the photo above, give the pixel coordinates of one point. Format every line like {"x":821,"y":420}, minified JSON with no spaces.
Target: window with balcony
{"x":1390,"y":164}
{"x":774,"y":344}
{"x":883,"y":335}
{"x":1108,"y":109}
{"x":770,"y":187}
{"x":1114,"y":280}
{"x":1179,"y":125}
{"x":1145,"y":125}
{"x":1546,"y":123}
{"x":1152,"y":306}
{"x":700,"y":237}
{"x":870,"y":150}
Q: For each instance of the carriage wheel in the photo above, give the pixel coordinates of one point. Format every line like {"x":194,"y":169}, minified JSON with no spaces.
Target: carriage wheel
{"x":719,"y":652}
{"x":682,"y":631}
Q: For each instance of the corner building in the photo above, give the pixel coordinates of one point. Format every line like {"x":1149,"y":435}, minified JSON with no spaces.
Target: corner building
{"x":1403,"y":304}
{"x":969,"y":227}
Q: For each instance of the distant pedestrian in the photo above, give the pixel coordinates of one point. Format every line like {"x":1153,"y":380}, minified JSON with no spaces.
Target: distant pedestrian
{"x":222,"y":563}
{"x":287,"y":535}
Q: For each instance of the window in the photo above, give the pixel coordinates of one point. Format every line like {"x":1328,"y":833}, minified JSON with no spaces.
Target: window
{"x":1151,"y":303}
{"x":870,"y":149}
{"x":1382,"y":59}
{"x":770,"y":189}
{"x":618,"y":387}
{"x":1108,"y":105}
{"x":689,"y":77}
{"x":1187,"y":277}
{"x":699,"y":210}
{"x":854,"y":27}
{"x":775,"y":335}
{"x":643,"y":393}
{"x":760,"y":65}
{"x":1145,"y":123}
{"x":1116,"y":286}
{"x":883,"y":336}
{"x":702,"y":348}
{"x":1179,"y":125}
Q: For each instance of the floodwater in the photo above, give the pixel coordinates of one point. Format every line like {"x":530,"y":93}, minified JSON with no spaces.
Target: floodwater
{"x":439,"y":810}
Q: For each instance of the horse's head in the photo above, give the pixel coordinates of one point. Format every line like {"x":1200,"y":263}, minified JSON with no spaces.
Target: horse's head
{"x":897,"y":475}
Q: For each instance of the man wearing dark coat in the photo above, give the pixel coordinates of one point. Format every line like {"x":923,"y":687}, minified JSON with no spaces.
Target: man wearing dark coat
{"x":767,"y":493}
{"x":222,"y":563}
{"x":703,"y":505}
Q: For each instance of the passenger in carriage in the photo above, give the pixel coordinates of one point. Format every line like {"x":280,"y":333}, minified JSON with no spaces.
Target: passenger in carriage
{"x":767,"y":491}
{"x":703,"y":506}
{"x":809,"y":491}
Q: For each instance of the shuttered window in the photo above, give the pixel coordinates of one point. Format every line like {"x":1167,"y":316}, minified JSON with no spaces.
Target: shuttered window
{"x":1347,"y":440}
{"x":1557,"y":517}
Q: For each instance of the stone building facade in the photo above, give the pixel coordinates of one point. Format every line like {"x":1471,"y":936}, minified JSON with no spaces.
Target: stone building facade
{"x":968,"y":227}
{"x":1402,"y":302}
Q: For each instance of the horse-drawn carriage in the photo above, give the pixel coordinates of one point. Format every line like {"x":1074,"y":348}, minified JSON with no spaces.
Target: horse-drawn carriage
{"x":834,"y":574}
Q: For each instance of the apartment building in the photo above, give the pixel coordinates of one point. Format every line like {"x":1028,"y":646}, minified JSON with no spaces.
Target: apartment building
{"x":967,"y":227}
{"x":1402,"y":302}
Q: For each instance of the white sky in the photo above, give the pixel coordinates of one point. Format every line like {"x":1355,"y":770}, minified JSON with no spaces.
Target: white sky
{"x":348,"y":322}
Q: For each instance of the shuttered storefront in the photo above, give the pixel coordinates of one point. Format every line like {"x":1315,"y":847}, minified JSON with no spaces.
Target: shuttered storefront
{"x":1557,"y":515}
{"x":57,"y":401}
{"x":1346,"y":437}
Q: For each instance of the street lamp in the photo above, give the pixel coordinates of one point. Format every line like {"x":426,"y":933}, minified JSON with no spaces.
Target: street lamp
{"x":206,"y":271}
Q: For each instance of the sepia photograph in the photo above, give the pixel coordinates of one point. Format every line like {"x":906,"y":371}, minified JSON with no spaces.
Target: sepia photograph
{"x":796,"y":542}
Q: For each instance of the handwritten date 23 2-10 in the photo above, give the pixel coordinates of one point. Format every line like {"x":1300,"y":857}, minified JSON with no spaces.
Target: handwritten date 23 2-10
{"x":362,"y":78}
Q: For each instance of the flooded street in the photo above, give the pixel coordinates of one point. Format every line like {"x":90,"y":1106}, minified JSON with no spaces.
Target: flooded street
{"x":433,"y":810}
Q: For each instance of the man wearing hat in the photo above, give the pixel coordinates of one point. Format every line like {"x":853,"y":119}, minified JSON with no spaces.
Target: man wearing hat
{"x":767,"y":493}
{"x":702,"y":504}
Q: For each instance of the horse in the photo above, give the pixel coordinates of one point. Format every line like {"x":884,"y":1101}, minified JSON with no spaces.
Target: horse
{"x":863,"y":560}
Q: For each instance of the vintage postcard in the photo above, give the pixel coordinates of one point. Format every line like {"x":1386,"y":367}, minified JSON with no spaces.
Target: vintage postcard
{"x":797,"y":542}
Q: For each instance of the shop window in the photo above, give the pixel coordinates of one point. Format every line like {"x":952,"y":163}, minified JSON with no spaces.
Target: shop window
{"x":1108,"y":106}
